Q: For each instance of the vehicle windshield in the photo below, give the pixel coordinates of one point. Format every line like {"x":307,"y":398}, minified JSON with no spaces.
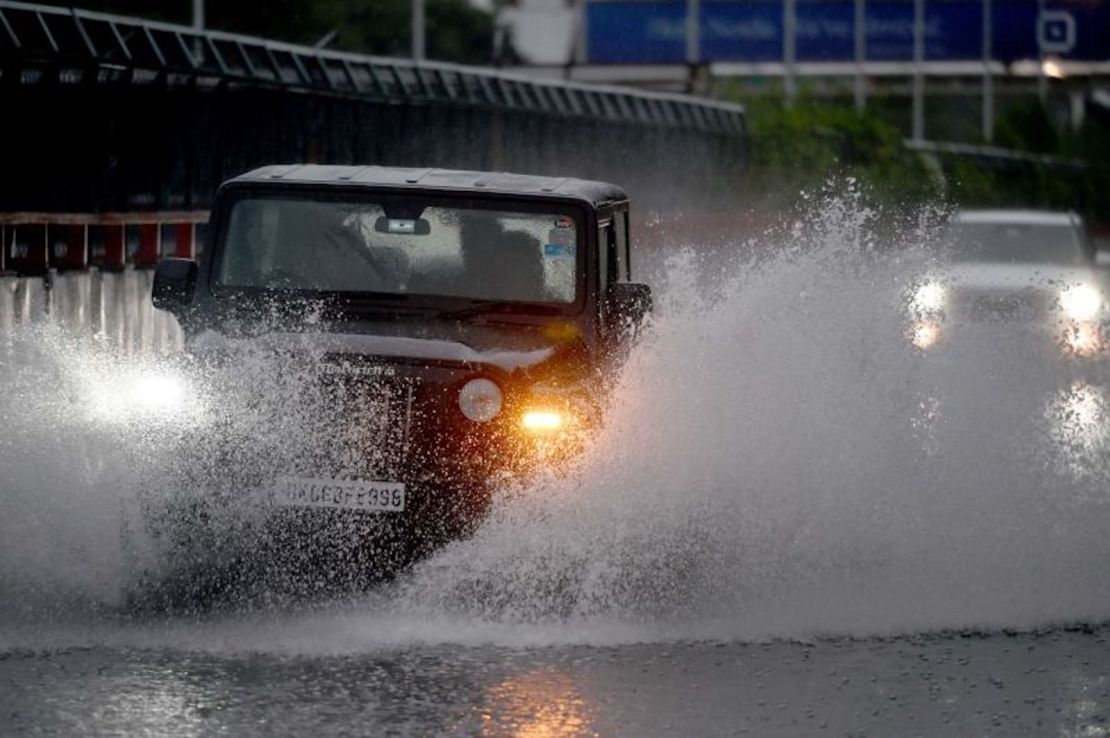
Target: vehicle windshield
{"x":1016,"y":243}
{"x":401,"y":246}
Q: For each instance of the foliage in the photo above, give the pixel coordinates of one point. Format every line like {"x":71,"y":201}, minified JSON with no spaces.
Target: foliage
{"x":799,"y":148}
{"x":456,"y":30}
{"x":1026,"y":127}
{"x":1080,"y":181}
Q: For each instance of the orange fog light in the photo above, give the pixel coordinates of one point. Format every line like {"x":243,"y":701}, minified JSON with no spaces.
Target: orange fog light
{"x":540,"y":421}
{"x":925,"y":334}
{"x":1083,"y":339}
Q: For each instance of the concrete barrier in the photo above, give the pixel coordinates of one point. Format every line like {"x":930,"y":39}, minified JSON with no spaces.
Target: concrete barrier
{"x":110,"y":307}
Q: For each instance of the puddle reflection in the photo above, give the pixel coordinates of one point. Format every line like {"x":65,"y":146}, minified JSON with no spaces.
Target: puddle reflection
{"x":537,"y":704}
{"x":1084,"y":716}
{"x":154,"y":701}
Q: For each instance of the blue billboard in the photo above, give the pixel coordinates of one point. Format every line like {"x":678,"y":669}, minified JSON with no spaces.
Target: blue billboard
{"x":654,"y":31}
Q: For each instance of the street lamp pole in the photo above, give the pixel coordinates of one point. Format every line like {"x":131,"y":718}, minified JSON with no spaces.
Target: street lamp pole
{"x":198,"y":26}
{"x":418,"y":30}
{"x":693,"y":40}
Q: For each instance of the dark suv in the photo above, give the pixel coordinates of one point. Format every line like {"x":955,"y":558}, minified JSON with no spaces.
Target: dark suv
{"x":462,"y":327}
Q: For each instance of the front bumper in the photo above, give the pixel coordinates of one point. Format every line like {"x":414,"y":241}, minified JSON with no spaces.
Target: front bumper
{"x":1049,"y":339}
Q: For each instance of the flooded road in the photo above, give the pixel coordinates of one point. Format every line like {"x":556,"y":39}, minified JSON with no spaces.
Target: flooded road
{"x":1053,"y":683}
{"x":793,"y":522}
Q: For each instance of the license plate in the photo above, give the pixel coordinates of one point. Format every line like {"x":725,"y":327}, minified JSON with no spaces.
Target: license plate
{"x":340,"y":494}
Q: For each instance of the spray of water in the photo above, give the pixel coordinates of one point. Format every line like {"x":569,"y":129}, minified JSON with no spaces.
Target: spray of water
{"x":777,"y":461}
{"x":81,"y":437}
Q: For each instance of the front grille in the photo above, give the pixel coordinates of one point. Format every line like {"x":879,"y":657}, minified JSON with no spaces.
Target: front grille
{"x":983,"y":305}
{"x":369,"y":414}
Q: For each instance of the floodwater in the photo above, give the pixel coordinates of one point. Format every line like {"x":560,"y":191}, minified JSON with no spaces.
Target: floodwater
{"x":794,"y":522}
{"x":999,"y":685}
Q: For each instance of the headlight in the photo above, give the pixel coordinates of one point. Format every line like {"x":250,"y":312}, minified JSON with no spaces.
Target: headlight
{"x":924,"y":335}
{"x":1082,"y":338}
{"x":480,"y":400}
{"x":929,"y":297}
{"x":541,"y":421}
{"x":159,"y":393}
{"x":1081,"y":302}
{"x":129,"y":395}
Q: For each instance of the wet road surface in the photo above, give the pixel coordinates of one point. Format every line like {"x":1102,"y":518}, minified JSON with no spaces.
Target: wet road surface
{"x":1049,"y":683}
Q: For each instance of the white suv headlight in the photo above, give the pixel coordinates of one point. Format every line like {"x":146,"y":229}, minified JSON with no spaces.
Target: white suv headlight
{"x":1081,"y":302}
{"x":480,"y":400}
{"x":929,"y":297}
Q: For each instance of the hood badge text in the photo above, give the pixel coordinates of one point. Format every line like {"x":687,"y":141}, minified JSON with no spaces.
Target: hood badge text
{"x":358,"y":370}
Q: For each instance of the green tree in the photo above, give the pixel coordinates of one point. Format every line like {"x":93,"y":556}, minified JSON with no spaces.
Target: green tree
{"x":800,"y":147}
{"x":456,"y":30}
{"x":1026,"y":127}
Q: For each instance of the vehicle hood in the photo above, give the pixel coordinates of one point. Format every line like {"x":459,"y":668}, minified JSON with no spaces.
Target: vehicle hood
{"x":1013,"y":277}
{"x":508,"y":348}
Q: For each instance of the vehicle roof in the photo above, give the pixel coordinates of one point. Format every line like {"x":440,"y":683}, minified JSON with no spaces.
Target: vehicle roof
{"x":440,"y":179}
{"x":1018,"y":217}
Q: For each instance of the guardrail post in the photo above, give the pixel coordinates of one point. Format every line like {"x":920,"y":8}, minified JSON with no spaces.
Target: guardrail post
{"x":113,"y":249}
{"x":149,"y":245}
{"x":185,"y":241}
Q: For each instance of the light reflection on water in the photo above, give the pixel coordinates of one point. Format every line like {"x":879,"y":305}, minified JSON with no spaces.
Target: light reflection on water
{"x":1052,"y":683}
{"x":163,"y":709}
{"x":154,"y":699}
{"x":542,"y":703}
{"x":1085,"y":713}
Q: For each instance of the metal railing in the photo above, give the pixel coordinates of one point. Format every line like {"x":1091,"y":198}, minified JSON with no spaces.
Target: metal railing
{"x":40,"y":43}
{"x":997,"y":156}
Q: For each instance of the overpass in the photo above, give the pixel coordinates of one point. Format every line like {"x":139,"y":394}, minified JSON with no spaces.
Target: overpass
{"x":108,"y":113}
{"x":115,"y":133}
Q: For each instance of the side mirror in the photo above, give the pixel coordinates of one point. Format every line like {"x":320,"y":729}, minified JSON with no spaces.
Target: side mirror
{"x":626,"y":306}
{"x":175,"y":281}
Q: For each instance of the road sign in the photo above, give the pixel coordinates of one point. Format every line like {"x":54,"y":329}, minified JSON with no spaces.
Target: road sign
{"x":654,"y":31}
{"x":1056,"y":31}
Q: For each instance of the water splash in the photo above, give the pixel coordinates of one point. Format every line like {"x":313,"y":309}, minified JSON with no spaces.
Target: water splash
{"x":777,"y":461}
{"x":78,"y":443}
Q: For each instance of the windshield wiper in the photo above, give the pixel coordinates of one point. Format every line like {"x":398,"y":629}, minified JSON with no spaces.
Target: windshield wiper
{"x":478,"y":306}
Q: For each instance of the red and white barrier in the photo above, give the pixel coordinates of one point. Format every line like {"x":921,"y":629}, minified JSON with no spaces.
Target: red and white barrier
{"x":36,"y":244}
{"x":92,"y":274}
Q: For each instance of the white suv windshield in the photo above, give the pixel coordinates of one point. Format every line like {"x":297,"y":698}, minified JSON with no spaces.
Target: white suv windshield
{"x":334,"y":246}
{"x":1016,"y":243}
